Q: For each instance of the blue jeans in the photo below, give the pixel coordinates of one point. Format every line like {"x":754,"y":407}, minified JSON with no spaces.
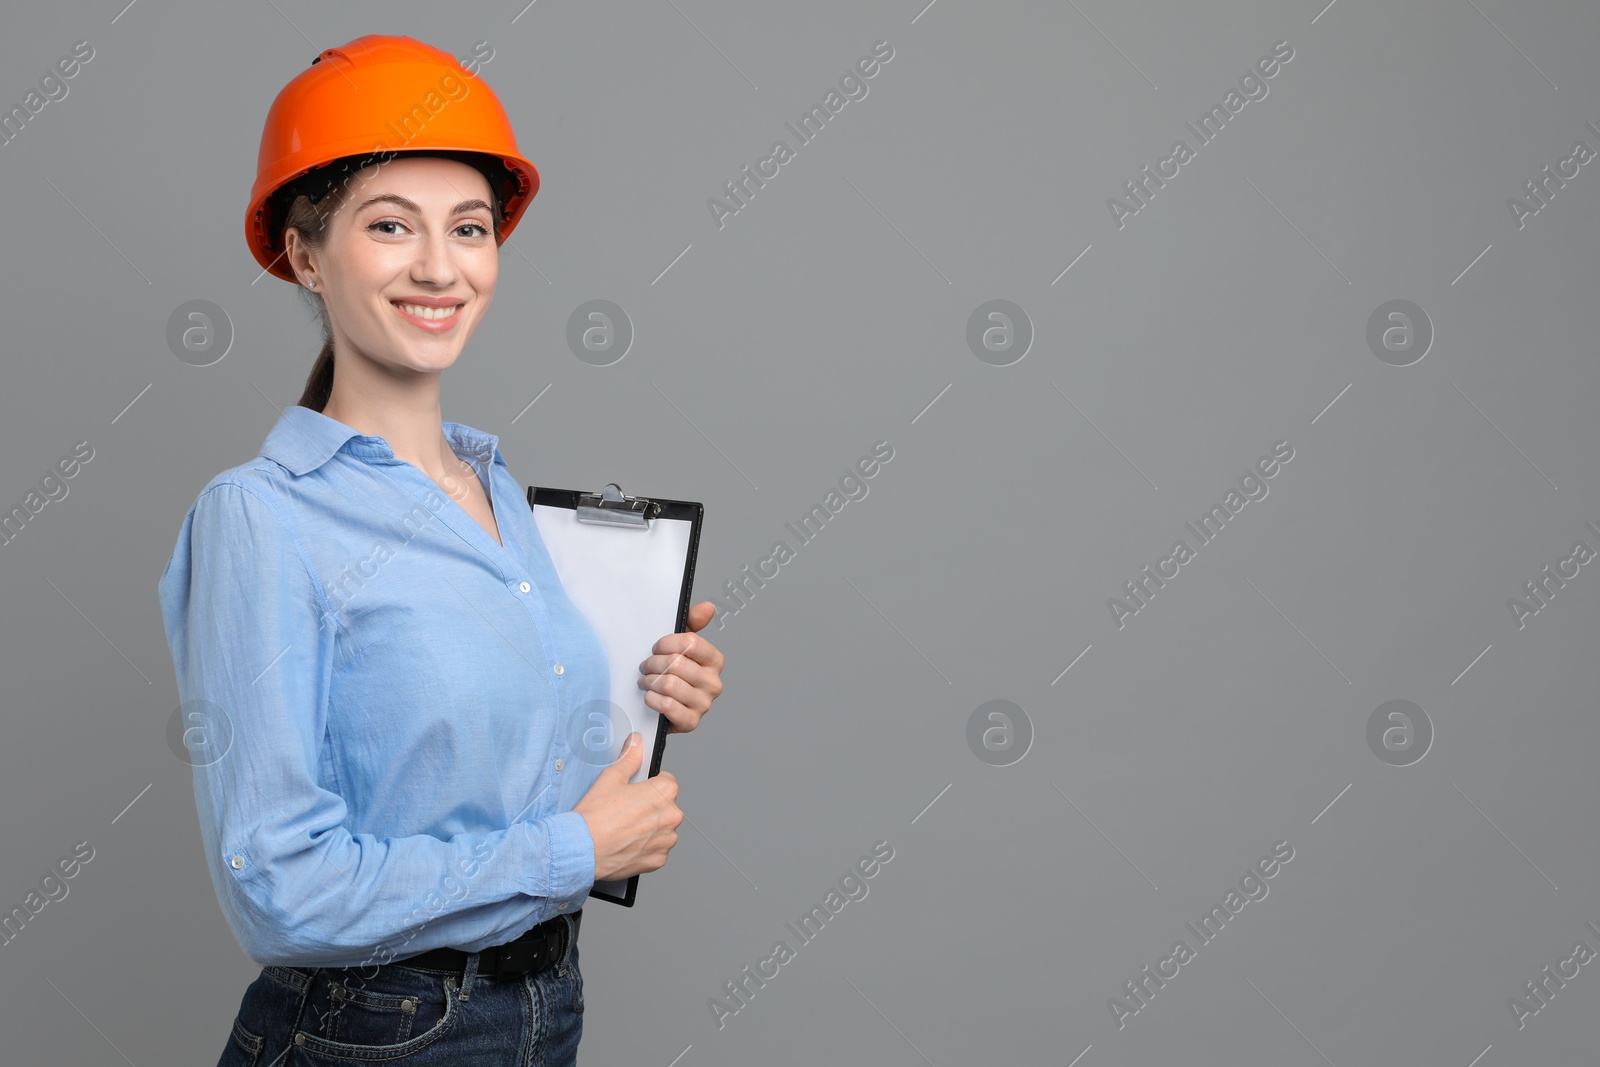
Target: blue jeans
{"x":306,"y":1017}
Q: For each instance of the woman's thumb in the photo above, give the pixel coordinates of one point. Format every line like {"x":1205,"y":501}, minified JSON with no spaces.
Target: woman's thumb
{"x":632,"y":755}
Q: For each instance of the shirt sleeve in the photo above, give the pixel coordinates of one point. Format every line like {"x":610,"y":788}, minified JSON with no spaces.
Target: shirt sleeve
{"x":252,"y":638}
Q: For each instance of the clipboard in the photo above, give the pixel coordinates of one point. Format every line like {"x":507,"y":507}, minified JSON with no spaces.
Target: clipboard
{"x":627,"y":563}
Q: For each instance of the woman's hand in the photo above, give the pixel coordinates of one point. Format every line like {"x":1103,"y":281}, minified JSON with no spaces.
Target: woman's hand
{"x":634,"y":824}
{"x":684,"y":675}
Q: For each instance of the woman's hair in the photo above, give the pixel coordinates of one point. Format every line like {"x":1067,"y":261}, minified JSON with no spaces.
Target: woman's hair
{"x":312,"y":218}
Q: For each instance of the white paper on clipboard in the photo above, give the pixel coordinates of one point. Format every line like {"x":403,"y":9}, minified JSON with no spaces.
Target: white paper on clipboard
{"x":631,"y":583}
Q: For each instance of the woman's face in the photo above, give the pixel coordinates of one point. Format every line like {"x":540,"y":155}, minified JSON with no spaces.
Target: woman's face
{"x":409,"y":264}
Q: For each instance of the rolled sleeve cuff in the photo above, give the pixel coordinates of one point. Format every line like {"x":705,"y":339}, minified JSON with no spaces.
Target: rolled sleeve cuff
{"x":571,"y":855}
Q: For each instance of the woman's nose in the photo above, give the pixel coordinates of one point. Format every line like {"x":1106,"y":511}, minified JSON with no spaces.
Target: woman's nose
{"x":434,"y":264}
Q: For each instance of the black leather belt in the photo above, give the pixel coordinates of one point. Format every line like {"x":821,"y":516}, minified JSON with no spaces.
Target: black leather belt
{"x":535,"y":949}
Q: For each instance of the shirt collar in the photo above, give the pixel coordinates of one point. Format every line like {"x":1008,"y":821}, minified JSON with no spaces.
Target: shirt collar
{"x":303,"y":440}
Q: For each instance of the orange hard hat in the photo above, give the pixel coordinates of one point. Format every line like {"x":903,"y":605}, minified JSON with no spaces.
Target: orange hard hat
{"x":361,"y":104}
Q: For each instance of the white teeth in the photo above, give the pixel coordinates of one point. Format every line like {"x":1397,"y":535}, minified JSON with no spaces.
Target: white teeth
{"x":426,"y":312}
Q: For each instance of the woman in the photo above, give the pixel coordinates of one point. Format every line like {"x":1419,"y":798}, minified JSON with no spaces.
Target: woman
{"x":390,"y":691}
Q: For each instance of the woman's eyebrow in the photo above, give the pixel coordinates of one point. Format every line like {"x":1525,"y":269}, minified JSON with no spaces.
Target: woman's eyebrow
{"x":411,"y":205}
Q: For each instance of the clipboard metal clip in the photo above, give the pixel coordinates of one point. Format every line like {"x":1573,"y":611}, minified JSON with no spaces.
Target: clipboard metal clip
{"x":610,"y":506}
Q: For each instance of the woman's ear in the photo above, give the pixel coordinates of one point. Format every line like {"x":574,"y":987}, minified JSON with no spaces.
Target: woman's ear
{"x":299,"y":258}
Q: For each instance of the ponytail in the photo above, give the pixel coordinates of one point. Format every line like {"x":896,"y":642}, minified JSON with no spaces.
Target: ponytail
{"x":319,"y":386}
{"x":311,"y":220}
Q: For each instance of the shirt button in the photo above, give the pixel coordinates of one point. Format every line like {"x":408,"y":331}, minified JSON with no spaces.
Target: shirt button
{"x":560,"y":764}
{"x":560,"y":669}
{"x":563,"y":905}
{"x":524,"y":587}
{"x":237,"y":863}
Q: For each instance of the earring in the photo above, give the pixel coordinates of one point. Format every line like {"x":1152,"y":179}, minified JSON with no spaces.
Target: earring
{"x":311,"y":285}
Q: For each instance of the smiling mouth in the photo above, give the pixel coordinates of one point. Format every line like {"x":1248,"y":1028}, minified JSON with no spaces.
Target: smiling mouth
{"x":428,"y":313}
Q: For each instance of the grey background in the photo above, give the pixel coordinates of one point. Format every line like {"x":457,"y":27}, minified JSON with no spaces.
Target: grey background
{"x":829,"y":314}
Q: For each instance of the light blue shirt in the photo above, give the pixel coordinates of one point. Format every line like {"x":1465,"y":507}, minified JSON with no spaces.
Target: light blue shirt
{"x":383,"y":705}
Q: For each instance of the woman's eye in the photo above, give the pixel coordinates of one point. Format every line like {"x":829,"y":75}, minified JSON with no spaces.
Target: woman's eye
{"x":481,"y":230}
